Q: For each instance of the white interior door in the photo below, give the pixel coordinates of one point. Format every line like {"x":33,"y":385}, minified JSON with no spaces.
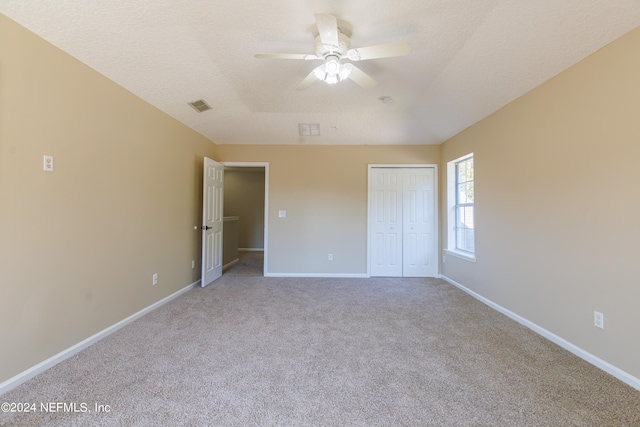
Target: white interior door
{"x":386,"y":222}
{"x":403,"y":241}
{"x":212,"y":221}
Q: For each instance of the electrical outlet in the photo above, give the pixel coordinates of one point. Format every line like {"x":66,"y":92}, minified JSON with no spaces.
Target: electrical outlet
{"x":48,"y":163}
{"x":330,"y":257}
{"x":154,"y":279}
{"x":443,"y":259}
{"x":193,"y":263}
{"x":598,"y":319}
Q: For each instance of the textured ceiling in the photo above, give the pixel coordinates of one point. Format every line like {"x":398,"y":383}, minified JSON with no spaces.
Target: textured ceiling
{"x":468,"y":59}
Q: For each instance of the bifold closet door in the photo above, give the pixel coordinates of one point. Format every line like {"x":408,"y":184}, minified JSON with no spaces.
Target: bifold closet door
{"x":402,"y":220}
{"x":418,"y":223}
{"x":386,"y":222}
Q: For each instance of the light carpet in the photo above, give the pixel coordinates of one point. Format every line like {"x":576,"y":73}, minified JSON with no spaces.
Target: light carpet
{"x":256,"y":351}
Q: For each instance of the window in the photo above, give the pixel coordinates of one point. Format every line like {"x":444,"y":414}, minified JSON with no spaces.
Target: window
{"x":460,"y":180}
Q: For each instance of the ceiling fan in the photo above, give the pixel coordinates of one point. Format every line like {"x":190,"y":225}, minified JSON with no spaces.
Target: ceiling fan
{"x":331,"y":46}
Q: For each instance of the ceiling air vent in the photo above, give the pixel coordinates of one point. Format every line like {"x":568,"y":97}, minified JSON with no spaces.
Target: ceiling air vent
{"x":309,"y":129}
{"x":200,"y":105}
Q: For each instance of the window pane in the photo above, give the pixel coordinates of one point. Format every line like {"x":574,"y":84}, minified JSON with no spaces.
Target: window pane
{"x":464,"y":185}
{"x":469,"y":191}
{"x":460,"y":171}
{"x":465,"y":229}
{"x":464,"y":171}
{"x":465,"y":193}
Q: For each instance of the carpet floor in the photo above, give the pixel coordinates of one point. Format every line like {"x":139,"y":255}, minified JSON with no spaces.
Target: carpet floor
{"x":250,"y":263}
{"x":265,"y":351}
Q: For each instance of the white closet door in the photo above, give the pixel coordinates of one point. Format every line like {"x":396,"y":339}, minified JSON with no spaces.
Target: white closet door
{"x":418,"y":222}
{"x":386,"y":222}
{"x":402,"y":222}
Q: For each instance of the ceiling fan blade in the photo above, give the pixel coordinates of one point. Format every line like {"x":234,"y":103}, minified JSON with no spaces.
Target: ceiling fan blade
{"x":308,"y":81}
{"x":386,"y":50}
{"x":362,"y":79}
{"x":327,"y":28}
{"x":304,"y":56}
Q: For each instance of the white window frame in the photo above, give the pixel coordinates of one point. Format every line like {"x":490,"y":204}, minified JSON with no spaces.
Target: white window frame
{"x":451,"y":248}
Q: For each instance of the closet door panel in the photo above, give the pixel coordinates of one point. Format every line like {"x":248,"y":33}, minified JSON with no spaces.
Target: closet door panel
{"x":419,"y":252}
{"x":386,"y":222}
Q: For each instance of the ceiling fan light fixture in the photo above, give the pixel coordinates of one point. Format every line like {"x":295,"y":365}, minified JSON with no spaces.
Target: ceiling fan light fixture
{"x":332,"y":65}
{"x":320,"y":72}
{"x":332,"y":71}
{"x":331,"y":79}
{"x":345,"y":71}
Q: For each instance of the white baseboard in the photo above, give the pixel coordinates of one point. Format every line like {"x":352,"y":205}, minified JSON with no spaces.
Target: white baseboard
{"x":229,"y":264}
{"x":327,"y":275}
{"x":22,"y":377}
{"x":583,"y":354}
{"x":251,"y":249}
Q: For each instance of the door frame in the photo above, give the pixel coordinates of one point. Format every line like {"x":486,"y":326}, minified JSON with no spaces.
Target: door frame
{"x":264,"y":165}
{"x":436,"y":206}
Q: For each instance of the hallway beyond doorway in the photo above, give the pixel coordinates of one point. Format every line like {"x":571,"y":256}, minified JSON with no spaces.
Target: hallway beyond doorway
{"x":251,"y":263}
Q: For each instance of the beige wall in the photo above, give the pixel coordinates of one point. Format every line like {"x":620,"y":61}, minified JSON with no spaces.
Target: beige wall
{"x":230,"y":241}
{"x":557,"y":204}
{"x":324,"y":191}
{"x":244,"y":197}
{"x":78,"y":246}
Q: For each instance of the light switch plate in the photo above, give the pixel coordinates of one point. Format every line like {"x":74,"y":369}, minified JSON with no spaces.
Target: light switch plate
{"x":48,"y":163}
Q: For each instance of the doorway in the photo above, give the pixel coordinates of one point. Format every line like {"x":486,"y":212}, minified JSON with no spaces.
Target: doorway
{"x":246,"y":195}
{"x":402,"y":215}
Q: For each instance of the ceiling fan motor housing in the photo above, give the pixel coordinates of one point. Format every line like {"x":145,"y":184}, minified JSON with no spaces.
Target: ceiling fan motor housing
{"x":324,"y":50}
